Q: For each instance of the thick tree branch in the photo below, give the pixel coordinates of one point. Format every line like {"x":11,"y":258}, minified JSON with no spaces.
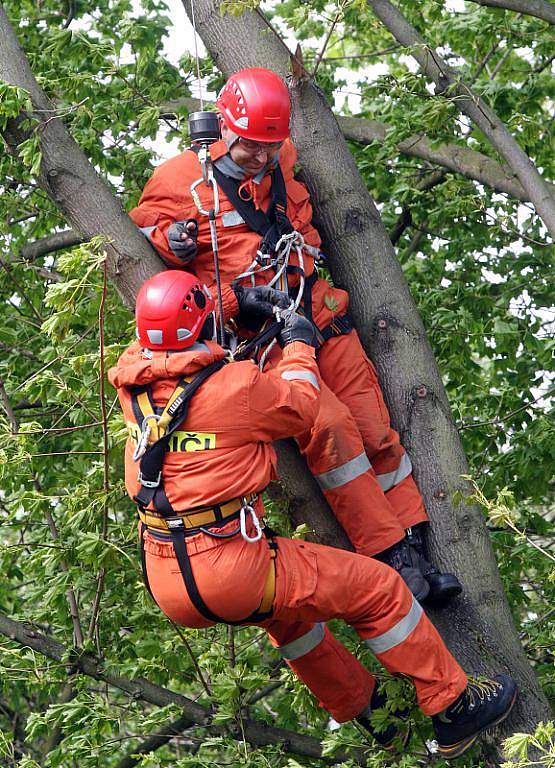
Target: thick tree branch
{"x":462,"y":160}
{"x":449,"y":81}
{"x":538,"y":8}
{"x":257,"y":733}
{"x":55,"y":242}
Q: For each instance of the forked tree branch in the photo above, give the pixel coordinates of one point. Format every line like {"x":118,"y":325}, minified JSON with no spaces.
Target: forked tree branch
{"x":450,"y":82}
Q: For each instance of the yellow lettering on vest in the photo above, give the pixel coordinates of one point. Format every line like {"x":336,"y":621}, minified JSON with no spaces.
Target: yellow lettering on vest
{"x":184,"y":442}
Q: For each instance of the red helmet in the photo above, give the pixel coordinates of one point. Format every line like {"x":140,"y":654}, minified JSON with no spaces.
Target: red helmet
{"x":254,"y":104}
{"x":171,"y":309}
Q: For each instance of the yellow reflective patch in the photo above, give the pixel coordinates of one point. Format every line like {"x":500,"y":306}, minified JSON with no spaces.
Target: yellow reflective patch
{"x":185,"y":442}
{"x":192,"y":441}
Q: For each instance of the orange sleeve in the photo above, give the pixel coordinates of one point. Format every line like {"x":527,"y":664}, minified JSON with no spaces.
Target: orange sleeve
{"x":166,"y":199}
{"x":284,"y":401}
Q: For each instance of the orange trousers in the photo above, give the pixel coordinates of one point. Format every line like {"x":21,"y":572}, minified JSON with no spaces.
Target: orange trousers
{"x":313,"y":585}
{"x":352,"y":450}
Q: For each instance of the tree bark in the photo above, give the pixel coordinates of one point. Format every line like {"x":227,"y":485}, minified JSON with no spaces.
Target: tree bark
{"x":478,"y":627}
{"x":449,"y":80}
{"x":462,"y":160}
{"x":538,"y":8}
{"x":70,"y":180}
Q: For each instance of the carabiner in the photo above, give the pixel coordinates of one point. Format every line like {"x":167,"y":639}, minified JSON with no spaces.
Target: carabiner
{"x":243,"y":523}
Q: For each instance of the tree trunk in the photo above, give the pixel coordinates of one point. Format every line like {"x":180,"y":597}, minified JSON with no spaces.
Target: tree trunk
{"x":478,"y":628}
{"x":447,"y":79}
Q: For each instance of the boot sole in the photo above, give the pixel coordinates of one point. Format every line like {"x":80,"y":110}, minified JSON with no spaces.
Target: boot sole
{"x":456,"y":750}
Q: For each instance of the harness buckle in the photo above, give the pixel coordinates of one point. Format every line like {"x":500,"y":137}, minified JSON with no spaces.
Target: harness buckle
{"x":149,"y":483}
{"x":247,"y":508}
{"x":175,"y":523}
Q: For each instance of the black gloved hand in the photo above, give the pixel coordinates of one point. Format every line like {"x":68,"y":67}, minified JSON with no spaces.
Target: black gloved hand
{"x":297,"y":328}
{"x":260,"y":300}
{"x":182,"y":239}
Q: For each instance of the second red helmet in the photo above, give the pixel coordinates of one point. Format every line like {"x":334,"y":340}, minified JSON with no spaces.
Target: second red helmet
{"x":171,"y":309}
{"x":254,"y":103}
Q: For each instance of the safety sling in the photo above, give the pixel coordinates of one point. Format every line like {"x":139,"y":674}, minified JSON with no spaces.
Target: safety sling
{"x":164,"y":522}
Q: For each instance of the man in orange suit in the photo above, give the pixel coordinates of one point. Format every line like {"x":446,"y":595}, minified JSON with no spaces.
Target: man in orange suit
{"x":198,"y":458}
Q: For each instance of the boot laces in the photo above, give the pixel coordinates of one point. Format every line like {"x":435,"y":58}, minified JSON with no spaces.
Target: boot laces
{"x":479,"y":690}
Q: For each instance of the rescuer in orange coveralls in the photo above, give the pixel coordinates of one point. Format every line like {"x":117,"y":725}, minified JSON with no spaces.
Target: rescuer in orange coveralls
{"x":200,"y":435}
{"x":352,"y":451}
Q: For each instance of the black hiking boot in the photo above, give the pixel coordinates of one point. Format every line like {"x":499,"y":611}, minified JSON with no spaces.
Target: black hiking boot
{"x":395,"y":735}
{"x":443,"y":586}
{"x":406,"y":561}
{"x":483,"y":704}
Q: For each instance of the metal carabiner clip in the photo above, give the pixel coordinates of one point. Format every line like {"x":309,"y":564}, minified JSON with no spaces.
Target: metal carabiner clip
{"x":146,"y":429}
{"x":243,"y":523}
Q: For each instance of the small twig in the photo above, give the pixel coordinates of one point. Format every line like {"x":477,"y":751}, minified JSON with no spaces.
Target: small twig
{"x":231,"y":641}
{"x":320,"y":56}
{"x":55,"y":360}
{"x":71,"y":14}
{"x":105,"y":449}
{"x":500,"y":63}
{"x":503,"y":419}
{"x":193,"y":657}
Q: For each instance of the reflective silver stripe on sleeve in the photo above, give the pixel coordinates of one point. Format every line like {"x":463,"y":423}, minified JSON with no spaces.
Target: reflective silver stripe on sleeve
{"x":345,"y":473}
{"x":147,"y":231}
{"x":304,"y":644}
{"x":303,"y":375}
{"x":397,"y":634}
{"x":389,"y":480}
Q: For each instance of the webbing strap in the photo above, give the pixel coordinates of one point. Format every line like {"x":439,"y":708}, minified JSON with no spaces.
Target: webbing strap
{"x":150,"y":474}
{"x":264,"y":610}
{"x":143,"y":559}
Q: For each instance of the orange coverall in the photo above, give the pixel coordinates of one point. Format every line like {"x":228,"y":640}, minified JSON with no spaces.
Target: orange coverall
{"x":351,"y":450}
{"x":238,"y":412}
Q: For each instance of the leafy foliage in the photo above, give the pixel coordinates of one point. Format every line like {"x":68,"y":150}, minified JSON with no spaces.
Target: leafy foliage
{"x":479,"y":267}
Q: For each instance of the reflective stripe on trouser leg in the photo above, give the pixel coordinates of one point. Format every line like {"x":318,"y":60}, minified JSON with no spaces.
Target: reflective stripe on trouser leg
{"x":340,"y":683}
{"x":398,"y":633}
{"x":388,"y":480}
{"x":350,"y":470}
{"x":346,"y":370}
{"x":335,"y":455}
{"x":304,"y":644}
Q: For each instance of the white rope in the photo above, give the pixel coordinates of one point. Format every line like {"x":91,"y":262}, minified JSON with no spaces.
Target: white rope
{"x":284,"y":246}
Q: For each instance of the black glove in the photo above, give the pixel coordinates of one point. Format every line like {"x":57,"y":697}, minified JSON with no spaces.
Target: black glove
{"x":297,"y":328}
{"x":260,"y":301}
{"x":182,"y":239}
